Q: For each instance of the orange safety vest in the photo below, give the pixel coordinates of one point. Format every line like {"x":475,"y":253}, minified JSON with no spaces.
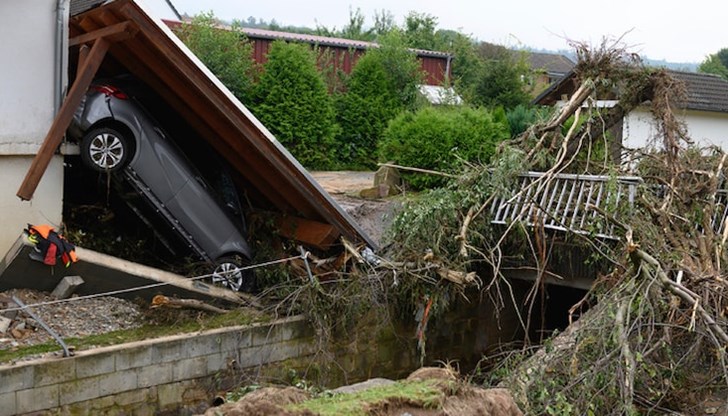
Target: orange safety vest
{"x":51,"y":245}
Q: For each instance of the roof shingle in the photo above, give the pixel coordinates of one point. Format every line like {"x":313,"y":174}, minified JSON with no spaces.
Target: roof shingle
{"x":705,"y":92}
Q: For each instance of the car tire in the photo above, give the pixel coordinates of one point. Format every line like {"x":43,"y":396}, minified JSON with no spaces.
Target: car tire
{"x":229,"y":273}
{"x":105,"y":149}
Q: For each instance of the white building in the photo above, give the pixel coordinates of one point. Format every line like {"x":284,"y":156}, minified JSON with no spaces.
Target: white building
{"x":32,"y":81}
{"x":704,"y":111}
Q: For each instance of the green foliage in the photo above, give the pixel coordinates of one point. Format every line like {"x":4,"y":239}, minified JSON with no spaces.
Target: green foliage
{"x":467,"y":65}
{"x":382,"y":84}
{"x":225,"y":52}
{"x":716,"y":64}
{"x":521,"y":117}
{"x":292,"y":101}
{"x":500,"y":81}
{"x":419,"y":30}
{"x":430,"y":221}
{"x":441,"y":138}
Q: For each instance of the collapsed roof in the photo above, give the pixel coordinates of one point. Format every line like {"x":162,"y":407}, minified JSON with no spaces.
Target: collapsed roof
{"x":147,"y":48}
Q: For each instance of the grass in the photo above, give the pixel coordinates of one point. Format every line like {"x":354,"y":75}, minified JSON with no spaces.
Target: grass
{"x":427,"y":393}
{"x":186,"y":324}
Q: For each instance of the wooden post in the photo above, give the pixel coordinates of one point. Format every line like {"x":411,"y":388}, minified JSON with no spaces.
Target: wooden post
{"x":63,"y":119}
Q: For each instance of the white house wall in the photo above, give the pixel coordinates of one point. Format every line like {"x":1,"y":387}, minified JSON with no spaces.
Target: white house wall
{"x":705,"y":128}
{"x":27,"y":90}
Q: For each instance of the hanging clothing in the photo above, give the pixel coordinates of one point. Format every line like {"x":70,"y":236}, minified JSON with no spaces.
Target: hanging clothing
{"x":51,"y":245}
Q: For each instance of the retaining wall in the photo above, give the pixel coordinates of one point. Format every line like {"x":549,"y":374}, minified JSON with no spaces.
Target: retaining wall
{"x":173,"y":375}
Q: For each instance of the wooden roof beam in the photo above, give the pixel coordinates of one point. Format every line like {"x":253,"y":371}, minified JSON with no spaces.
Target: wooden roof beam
{"x":63,"y":119}
{"x":113,"y":33}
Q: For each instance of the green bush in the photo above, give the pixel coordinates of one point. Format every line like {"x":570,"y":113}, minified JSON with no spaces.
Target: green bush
{"x":382,"y":84}
{"x":441,"y":138}
{"x":521,"y":117}
{"x":292,"y":102}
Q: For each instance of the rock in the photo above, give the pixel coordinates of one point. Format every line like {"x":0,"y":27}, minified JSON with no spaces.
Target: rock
{"x":433,"y":373}
{"x":4,"y":324}
{"x":379,"y":191}
{"x":477,"y":401}
{"x":390,"y":177}
{"x":364,"y":385}
{"x":66,"y":287}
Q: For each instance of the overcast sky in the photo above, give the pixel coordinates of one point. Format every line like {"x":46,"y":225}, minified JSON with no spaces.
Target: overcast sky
{"x":677,"y":31}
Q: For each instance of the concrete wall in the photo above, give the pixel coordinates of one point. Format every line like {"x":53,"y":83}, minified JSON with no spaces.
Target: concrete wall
{"x":27,"y":108}
{"x":174,"y":375}
{"x":180,"y":375}
{"x":705,"y":128}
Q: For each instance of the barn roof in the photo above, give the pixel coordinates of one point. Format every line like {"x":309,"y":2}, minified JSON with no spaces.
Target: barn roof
{"x":150,"y":51}
{"x":327,"y":41}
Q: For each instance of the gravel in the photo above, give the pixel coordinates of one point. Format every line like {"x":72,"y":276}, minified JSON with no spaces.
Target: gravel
{"x":72,"y":318}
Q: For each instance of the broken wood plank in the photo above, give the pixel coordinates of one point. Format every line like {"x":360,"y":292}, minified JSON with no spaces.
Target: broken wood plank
{"x":63,"y":119}
{"x":307,"y":232}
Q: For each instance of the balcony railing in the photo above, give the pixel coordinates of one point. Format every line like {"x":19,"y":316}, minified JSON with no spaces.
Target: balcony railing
{"x":565,"y":201}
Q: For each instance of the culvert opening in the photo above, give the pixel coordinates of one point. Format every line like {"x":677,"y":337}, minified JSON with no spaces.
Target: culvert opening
{"x":475,"y":334}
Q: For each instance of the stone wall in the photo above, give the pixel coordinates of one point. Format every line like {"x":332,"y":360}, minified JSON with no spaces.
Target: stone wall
{"x":173,"y":375}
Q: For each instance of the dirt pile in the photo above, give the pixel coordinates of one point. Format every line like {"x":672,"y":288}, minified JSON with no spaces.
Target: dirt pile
{"x":450,"y":397}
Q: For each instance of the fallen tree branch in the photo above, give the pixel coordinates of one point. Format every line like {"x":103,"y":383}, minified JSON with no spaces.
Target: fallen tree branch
{"x":163,"y":301}
{"x":683,"y":293}
{"x":419,"y":170}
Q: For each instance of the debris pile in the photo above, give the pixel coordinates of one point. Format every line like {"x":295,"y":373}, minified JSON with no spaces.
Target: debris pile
{"x":656,"y":341}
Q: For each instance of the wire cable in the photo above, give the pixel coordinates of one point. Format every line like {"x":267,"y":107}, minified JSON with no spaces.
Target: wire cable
{"x":152,"y":285}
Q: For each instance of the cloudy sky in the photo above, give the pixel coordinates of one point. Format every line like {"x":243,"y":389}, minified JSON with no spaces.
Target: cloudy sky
{"x":677,"y":31}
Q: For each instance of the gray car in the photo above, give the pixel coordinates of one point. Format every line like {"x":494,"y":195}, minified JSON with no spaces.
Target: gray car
{"x":116,"y":135}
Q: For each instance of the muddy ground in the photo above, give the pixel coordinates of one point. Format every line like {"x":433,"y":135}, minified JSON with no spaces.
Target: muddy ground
{"x":374,"y":216}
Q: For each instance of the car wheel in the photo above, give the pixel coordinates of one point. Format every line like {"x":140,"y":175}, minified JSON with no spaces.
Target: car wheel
{"x":229,"y":273}
{"x":105,"y":149}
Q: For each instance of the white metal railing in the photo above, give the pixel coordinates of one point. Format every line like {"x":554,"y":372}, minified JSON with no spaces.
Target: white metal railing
{"x":563,"y":202}
{"x":721,"y":211}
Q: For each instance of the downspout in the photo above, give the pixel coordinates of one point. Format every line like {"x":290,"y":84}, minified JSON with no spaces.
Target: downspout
{"x":59,"y":53}
{"x":447,"y":70}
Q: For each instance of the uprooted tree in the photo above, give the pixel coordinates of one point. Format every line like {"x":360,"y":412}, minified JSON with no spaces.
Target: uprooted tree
{"x":656,"y":339}
{"x":655,"y":336}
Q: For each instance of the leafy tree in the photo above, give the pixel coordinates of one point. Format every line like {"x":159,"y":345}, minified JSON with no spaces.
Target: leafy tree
{"x":466,"y":65}
{"x":716,"y":63}
{"x":419,"y":30}
{"x":355,"y":28}
{"x":291,"y":100}
{"x":382,"y":84}
{"x":500,"y":81}
{"x":383,"y":22}
{"x":224,"y":51}
{"x":439,"y":138}
{"x":521,"y":117}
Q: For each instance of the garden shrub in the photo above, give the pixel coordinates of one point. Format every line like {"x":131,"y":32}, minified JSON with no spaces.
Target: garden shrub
{"x":382,"y":84}
{"x":292,"y":102}
{"x":521,"y":117}
{"x":441,"y":138}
